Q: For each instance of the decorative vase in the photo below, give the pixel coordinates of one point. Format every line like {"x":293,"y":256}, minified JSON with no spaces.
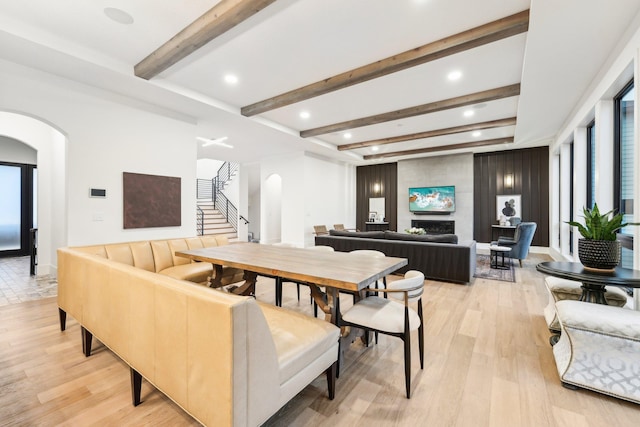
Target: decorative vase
{"x":599,"y":254}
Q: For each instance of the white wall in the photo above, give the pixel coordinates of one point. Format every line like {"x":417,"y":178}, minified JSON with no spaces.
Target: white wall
{"x":434,"y":171}
{"x":208,"y":168}
{"x":597,"y":103}
{"x":14,"y":151}
{"x":106,"y":135}
{"x":314,"y":191}
{"x":329,"y":195}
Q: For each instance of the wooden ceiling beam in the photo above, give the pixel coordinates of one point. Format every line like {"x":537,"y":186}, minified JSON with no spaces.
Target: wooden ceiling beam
{"x":440,"y":148}
{"x":218,"y":20}
{"x":432,"y":107}
{"x":430,"y":134}
{"x":478,"y":36}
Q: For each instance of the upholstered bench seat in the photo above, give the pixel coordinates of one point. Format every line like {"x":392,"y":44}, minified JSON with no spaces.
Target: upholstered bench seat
{"x":563,"y":289}
{"x":226,"y":359}
{"x":599,"y":348}
{"x":299,"y":339}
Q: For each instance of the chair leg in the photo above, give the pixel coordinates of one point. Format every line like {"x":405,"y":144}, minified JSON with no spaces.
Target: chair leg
{"x":331,"y":379}
{"x":136,"y":387}
{"x":407,"y":364}
{"x":298,"y":289}
{"x":520,"y":263}
{"x":407,"y":353}
{"x":63,"y":319}
{"x":278,"y":292}
{"x":384,"y":284}
{"x":421,"y":335}
{"x":86,"y":341}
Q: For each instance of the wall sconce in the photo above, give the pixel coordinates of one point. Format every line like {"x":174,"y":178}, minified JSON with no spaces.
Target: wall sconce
{"x":508,"y":180}
{"x":376,"y":188}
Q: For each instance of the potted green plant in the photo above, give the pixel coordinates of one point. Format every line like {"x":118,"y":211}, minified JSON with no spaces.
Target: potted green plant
{"x":599,"y":249}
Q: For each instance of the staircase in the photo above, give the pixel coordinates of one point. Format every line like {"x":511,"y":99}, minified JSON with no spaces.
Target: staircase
{"x":214,"y":222}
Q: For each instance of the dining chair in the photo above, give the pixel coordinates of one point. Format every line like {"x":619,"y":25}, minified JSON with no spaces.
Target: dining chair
{"x":319,"y":230}
{"x":340,"y":227}
{"x":280,"y":281}
{"x":371,"y":254}
{"x":391,"y":316}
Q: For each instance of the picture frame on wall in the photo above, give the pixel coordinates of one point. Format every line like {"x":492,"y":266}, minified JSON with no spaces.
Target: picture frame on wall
{"x":508,"y":206}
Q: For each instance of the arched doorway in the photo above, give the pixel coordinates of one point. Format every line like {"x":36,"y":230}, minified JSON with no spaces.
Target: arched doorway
{"x":18,"y":192}
{"x":50,"y":201}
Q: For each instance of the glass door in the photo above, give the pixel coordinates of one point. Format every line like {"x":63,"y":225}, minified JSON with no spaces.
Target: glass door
{"x":16,"y":208}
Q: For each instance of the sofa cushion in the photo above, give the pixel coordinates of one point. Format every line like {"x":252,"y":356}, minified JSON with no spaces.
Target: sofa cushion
{"x":367,"y":234}
{"x":161,"y":255}
{"x":176,"y":245}
{"x":434,"y":238}
{"x":143,"y":256}
{"x":195,"y":243}
{"x":299,"y":339}
{"x":197,"y":272}
{"x":120,"y":253}
{"x":208,"y":241}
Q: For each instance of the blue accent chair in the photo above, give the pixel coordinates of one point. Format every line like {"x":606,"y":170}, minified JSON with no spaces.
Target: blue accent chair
{"x":520,"y":242}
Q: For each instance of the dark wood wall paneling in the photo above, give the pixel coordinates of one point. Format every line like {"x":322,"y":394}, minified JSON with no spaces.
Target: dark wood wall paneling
{"x":530,"y":168}
{"x":366,"y":177}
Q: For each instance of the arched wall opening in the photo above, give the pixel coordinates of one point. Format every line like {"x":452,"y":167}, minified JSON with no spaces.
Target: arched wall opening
{"x":50,"y":144}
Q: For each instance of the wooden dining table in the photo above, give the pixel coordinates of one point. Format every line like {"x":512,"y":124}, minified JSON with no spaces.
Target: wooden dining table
{"x":336,"y":271}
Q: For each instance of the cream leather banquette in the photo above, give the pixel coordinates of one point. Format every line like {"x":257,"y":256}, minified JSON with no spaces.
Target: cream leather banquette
{"x":227,"y":360}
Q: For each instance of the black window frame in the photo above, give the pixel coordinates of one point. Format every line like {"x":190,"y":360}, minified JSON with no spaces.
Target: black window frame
{"x":627,"y":240}
{"x":590,"y":169}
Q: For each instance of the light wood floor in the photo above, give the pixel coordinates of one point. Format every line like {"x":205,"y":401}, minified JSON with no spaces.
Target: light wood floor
{"x":487,"y":363}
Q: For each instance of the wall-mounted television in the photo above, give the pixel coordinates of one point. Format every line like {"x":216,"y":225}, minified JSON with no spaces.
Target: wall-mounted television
{"x":441,"y":199}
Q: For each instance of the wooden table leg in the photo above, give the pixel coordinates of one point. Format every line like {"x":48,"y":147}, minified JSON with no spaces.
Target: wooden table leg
{"x":322,"y":301}
{"x":215,"y":281}
{"x":248,"y":288}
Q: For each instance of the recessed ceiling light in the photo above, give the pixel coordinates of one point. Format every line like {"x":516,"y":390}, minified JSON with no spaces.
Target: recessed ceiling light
{"x":118,"y":15}
{"x":305,"y":115}
{"x":375,"y":148}
{"x":347,"y":135}
{"x":454,"y":75}
{"x":214,"y":141}
{"x":469,"y":113}
{"x":476,"y":134}
{"x":231,"y":79}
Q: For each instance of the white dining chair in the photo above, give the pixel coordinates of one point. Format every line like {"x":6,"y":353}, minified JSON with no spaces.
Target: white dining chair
{"x":391,"y":316}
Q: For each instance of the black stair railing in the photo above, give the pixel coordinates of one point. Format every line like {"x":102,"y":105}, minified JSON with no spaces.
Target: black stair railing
{"x":200,"y":221}
{"x":213,"y":190}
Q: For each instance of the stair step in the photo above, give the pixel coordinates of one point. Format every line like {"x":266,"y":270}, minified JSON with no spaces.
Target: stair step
{"x":218,"y":227}
{"x":231,"y":236}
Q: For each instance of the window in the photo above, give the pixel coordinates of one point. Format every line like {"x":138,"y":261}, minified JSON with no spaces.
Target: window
{"x":571,"y":170}
{"x":623,"y":167}
{"x":591,"y":164}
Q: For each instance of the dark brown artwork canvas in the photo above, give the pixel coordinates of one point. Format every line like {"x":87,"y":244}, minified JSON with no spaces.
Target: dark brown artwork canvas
{"x":151,"y":200}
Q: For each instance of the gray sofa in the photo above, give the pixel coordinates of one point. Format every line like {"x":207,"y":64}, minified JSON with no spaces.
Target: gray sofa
{"x":439,"y":257}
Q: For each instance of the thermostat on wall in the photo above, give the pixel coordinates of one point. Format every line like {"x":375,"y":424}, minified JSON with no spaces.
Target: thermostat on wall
{"x":97,"y":192}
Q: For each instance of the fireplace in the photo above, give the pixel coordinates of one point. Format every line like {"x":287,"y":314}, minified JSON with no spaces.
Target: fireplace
{"x":435,"y":226}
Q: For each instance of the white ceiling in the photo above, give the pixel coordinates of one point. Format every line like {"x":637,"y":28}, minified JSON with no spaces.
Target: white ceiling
{"x":292,"y":43}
